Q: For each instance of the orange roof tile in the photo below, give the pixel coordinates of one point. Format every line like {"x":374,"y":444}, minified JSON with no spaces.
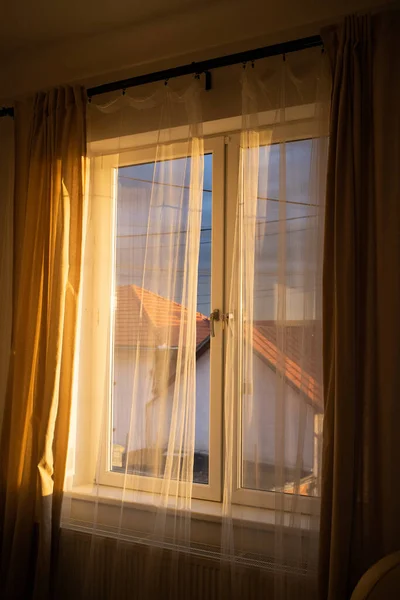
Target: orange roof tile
{"x":152,"y":320}
{"x":295,"y":365}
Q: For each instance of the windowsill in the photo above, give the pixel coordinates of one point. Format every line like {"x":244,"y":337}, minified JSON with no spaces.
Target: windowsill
{"x":203,"y":510}
{"x":96,"y":510}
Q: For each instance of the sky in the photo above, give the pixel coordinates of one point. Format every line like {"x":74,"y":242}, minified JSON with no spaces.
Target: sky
{"x":152,"y":226}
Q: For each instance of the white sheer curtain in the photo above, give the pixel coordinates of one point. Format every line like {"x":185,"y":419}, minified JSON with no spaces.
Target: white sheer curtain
{"x":178,"y":486}
{"x":133,"y":424}
{"x":273,"y":371}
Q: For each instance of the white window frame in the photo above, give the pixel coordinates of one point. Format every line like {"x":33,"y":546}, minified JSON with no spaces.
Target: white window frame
{"x":225,"y":150}
{"x":288,"y":132}
{"x":105,"y":475}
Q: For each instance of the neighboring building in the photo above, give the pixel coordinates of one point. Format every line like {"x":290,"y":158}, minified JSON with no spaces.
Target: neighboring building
{"x":148,"y":321}
{"x":146,"y":339}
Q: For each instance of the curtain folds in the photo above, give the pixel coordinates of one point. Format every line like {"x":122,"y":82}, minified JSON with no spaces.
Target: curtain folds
{"x":141,"y":333}
{"x":272,"y":420}
{"x":194,"y":454}
{"x":6,"y":251}
{"x":361,"y":466}
{"x":49,"y":213}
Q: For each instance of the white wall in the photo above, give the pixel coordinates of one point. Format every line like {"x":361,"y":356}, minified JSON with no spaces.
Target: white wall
{"x":126,"y":421}
{"x":143,"y":432}
{"x":202,"y":403}
{"x":299,"y":305}
{"x":260,"y":419}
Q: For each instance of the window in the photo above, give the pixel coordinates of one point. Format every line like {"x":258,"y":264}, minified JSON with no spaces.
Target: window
{"x":147,"y":289}
{"x":290,"y":338}
{"x":147,"y":310}
{"x":285,"y":333}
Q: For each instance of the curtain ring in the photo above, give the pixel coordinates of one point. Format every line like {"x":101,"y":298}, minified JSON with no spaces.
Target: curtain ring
{"x":284,"y":57}
{"x":244,"y":63}
{"x":252,"y":64}
{"x":166,"y":82}
{"x":123,"y":91}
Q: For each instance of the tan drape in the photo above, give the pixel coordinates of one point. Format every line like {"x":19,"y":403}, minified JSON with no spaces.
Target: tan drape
{"x":6,"y":250}
{"x":50,"y":151}
{"x":360,"y":519}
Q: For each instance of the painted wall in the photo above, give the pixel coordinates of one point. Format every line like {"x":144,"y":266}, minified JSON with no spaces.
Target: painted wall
{"x":275,"y":407}
{"x":260,"y":418}
{"x":148,"y":411}
{"x":126,"y":386}
{"x":193,"y":32}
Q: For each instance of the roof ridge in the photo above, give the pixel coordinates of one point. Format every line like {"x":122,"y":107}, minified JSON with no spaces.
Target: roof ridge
{"x":138,"y":289}
{"x":299,"y":377}
{"x":134,"y":288}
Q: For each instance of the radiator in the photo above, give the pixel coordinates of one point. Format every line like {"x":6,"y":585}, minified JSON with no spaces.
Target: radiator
{"x":101,"y":568}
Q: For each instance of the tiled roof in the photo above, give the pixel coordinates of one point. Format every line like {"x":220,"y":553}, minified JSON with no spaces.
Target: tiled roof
{"x":154,"y":321}
{"x":293,"y":355}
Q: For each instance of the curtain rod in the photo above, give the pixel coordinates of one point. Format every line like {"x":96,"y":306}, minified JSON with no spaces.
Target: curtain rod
{"x":197,"y":68}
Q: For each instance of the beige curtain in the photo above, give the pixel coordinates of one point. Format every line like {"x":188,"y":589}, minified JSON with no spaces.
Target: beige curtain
{"x":361,"y":454}
{"x":49,"y":213}
{"x":6,"y":250}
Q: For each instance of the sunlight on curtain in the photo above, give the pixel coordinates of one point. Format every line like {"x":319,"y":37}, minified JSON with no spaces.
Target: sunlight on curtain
{"x":48,"y":209}
{"x":145,"y":464}
{"x":273,"y":382}
{"x":141,"y":328}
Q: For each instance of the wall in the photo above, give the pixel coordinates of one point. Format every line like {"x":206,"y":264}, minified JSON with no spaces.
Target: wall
{"x":200,"y":31}
{"x":124,"y":368}
{"x":259,"y":430}
{"x":124,"y":380}
{"x":259,"y":419}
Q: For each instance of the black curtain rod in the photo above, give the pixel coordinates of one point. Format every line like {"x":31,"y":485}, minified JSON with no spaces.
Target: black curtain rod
{"x":197,"y":68}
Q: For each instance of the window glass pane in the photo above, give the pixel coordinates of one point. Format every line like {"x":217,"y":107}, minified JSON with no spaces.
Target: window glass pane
{"x":282,"y":404}
{"x":144,"y":283}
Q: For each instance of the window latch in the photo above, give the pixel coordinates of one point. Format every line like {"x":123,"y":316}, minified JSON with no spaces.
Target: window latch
{"x":216,"y":315}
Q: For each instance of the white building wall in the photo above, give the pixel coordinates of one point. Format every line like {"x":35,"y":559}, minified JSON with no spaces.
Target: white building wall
{"x":124,"y":418}
{"x":260,"y":422}
{"x":126,"y":421}
{"x":202,"y":403}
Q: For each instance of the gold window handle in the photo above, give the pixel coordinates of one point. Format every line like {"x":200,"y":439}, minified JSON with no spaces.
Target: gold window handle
{"x":216,"y":315}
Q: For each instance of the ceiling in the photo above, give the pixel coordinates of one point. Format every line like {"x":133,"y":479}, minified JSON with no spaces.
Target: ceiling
{"x":29,"y":24}
{"x":44,"y":43}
